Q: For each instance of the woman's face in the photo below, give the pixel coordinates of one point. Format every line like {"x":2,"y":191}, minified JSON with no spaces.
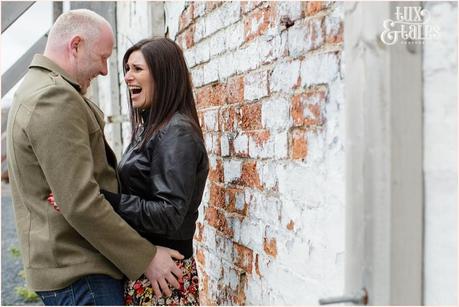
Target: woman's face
{"x":139,"y":81}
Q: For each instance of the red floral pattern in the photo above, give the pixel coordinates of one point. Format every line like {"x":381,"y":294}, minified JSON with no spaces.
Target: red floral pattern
{"x":140,"y":292}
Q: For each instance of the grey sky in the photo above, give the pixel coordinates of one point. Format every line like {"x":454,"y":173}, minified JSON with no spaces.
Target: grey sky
{"x":21,"y":35}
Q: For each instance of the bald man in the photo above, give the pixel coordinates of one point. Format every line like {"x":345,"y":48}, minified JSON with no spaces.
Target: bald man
{"x":56,"y":144}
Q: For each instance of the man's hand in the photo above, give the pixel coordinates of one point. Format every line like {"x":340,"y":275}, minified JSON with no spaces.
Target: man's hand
{"x":161,"y":269}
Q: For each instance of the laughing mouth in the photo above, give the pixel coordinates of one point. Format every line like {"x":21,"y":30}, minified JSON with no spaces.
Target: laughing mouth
{"x":135,"y":89}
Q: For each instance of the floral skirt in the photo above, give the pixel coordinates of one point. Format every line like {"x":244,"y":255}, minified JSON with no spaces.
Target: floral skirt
{"x":140,"y":292}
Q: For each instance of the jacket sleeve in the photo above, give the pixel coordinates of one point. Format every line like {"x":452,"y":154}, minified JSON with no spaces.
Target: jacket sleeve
{"x":173,"y":176}
{"x":59,"y":132}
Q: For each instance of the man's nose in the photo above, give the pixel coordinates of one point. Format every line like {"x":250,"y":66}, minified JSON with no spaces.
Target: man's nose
{"x":104,"y":70}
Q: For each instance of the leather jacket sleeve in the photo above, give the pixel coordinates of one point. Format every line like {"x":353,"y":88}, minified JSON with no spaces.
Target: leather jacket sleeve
{"x":173,"y":174}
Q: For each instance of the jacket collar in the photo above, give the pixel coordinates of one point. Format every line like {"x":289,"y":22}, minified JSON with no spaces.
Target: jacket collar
{"x":43,"y":62}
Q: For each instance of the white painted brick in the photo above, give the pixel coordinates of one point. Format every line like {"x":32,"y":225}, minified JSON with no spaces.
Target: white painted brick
{"x":202,"y":53}
{"x":297,"y":181}
{"x":256,"y":85}
{"x":213,"y":265}
{"x":251,"y":234}
{"x":231,"y":12}
{"x":234,"y":36}
{"x":249,"y":6}
{"x":227,"y":66}
{"x":332,"y":21}
{"x":190,"y":57}
{"x":199,"y":9}
{"x":224,"y":247}
{"x":281,"y":145}
{"x":247,"y":58}
{"x":303,"y":37}
{"x":217,"y":43}
{"x":208,"y":140}
{"x":210,"y":71}
{"x":211,"y":120}
{"x":266,"y":209}
{"x":292,"y":9}
{"x":263,"y":150}
{"x":254,"y":293}
{"x":197,"y":75}
{"x":240,"y":201}
{"x":224,"y":145}
{"x":275,"y":113}
{"x":231,"y":170}
{"x":214,"y":21}
{"x":320,"y":68}
{"x":268,"y":174}
{"x":271,"y":48}
{"x":241,"y":144}
{"x":284,"y":76}
{"x":200,"y":30}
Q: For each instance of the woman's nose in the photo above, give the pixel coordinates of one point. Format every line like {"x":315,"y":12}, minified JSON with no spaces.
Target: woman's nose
{"x":128,"y":76}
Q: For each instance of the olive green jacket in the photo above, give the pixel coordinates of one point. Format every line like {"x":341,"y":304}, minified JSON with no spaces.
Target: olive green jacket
{"x":55,"y":143}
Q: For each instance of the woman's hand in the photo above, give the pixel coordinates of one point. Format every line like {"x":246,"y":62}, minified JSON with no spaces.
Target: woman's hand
{"x":52,"y":203}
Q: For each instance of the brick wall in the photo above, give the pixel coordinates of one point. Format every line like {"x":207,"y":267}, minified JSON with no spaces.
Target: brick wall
{"x":268,"y":84}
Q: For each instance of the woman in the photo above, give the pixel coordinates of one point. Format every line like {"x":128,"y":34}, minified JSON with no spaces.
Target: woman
{"x":164,"y":169}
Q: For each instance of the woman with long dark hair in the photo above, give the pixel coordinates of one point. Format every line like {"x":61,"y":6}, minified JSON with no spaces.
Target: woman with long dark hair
{"x":164,"y":169}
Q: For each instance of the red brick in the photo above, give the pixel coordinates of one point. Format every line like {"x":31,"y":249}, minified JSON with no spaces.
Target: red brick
{"x":334,"y":36}
{"x":270,"y":247}
{"x":186,"y":39}
{"x":249,"y":175}
{"x":217,"y":219}
{"x":258,"y":21}
{"x":230,"y":197}
{"x":257,"y":266}
{"x":247,"y":7}
{"x":229,"y":118}
{"x":199,"y":234}
{"x":243,"y":257}
{"x":251,"y":117}
{"x":204,"y":289}
{"x":311,"y":100}
{"x":260,"y":137}
{"x":299,"y":148}
{"x":200,"y":257}
{"x":187,"y":16}
{"x":217,"y":196}
{"x":240,"y":298}
{"x":313,"y":7}
{"x":201,"y":119}
{"x":216,"y":173}
{"x":212,"y":5}
{"x":235,"y":90}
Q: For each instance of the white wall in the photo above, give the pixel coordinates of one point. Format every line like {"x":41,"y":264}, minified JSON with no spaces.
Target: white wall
{"x":440,"y":154}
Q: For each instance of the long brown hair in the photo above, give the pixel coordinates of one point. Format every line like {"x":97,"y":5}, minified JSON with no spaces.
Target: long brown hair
{"x":173,"y":87}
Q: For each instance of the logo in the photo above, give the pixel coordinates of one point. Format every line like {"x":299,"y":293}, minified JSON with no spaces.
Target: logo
{"x":411,"y":25}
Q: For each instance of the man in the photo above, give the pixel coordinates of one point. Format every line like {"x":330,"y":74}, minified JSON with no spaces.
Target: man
{"x":56,"y":144}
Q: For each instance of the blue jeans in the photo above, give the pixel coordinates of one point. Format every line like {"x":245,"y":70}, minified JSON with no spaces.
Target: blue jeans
{"x":90,"y":290}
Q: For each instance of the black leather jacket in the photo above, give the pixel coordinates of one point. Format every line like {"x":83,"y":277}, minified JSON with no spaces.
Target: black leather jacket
{"x":162,"y":185}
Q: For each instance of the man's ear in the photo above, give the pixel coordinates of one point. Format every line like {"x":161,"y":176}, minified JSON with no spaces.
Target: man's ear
{"x":75,"y":44}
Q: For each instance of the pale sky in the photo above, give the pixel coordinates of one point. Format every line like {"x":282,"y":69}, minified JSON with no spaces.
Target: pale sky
{"x":22,"y":34}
